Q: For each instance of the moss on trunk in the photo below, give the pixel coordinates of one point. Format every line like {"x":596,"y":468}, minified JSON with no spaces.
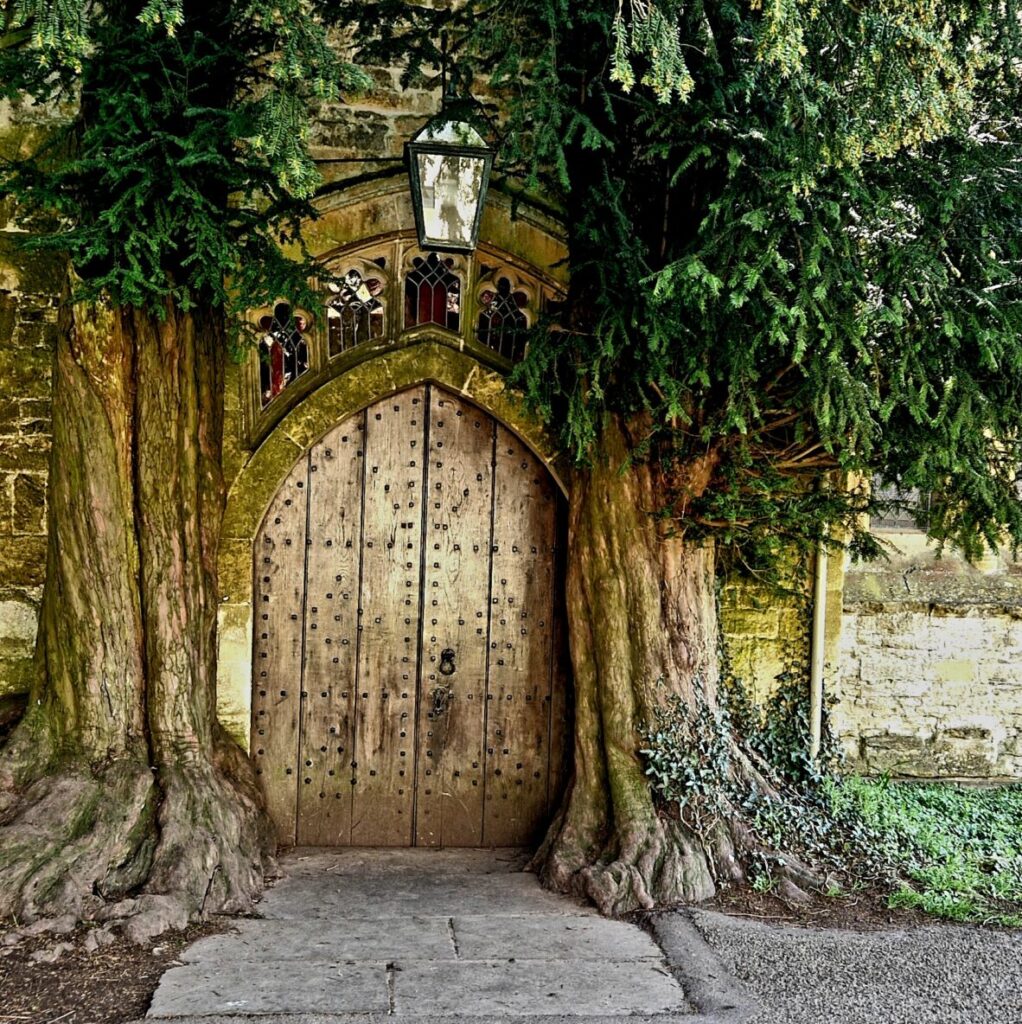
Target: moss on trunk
{"x":120,"y":796}
{"x":643,"y":630}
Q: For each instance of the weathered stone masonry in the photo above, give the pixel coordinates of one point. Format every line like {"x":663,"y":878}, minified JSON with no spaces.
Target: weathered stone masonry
{"x":29,"y":293}
{"x":930,"y":681}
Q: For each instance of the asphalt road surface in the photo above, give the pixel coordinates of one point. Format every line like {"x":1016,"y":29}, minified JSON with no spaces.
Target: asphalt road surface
{"x":940,"y":974}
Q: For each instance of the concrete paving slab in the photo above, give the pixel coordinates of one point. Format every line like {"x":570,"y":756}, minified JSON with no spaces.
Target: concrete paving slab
{"x":542,"y":987}
{"x":547,"y":937}
{"x":308,"y":897}
{"x":330,"y":939}
{"x":246,"y":987}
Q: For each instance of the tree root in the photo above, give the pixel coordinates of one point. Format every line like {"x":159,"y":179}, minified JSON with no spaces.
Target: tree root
{"x":660,"y":859}
{"x":143,"y":851}
{"x":659,"y":864}
{"x":71,"y":842}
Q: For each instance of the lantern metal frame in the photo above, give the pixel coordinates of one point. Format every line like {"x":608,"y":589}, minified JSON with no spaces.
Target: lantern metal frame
{"x":417,"y":147}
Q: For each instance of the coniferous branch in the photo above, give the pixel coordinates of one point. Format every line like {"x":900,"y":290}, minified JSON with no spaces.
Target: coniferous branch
{"x":822,"y":225}
{"x":190,"y":153}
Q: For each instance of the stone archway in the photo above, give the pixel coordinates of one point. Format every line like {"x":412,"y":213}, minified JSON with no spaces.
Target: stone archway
{"x":409,"y":674}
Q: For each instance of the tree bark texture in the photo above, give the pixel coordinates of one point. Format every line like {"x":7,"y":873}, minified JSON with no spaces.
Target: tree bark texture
{"x":643,"y":626}
{"x":120,"y":796}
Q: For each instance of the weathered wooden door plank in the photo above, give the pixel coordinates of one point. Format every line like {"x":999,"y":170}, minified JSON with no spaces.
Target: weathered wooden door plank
{"x":456,"y":577}
{"x":279,"y":593}
{"x":384,"y":774}
{"x":521,"y":637}
{"x":334,"y":548}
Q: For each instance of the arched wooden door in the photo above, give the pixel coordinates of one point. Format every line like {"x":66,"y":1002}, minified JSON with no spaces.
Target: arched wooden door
{"x":409,"y":678}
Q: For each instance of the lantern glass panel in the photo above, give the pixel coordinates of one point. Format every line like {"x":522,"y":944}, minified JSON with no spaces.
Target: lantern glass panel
{"x":451,"y":192}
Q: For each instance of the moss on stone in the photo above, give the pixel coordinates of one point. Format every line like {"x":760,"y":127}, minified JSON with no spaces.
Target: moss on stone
{"x":23,"y":561}
{"x":250,"y":494}
{"x":395,"y":370}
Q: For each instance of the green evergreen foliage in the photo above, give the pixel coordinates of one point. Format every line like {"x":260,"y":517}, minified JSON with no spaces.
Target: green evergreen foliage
{"x":184,"y":165}
{"x":795,"y":243}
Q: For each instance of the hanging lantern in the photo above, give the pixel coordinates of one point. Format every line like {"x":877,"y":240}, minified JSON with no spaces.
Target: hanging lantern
{"x":449,"y":166}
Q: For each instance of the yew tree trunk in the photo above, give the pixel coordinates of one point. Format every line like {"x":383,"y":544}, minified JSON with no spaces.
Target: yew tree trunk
{"x":120,"y":796}
{"x":642,"y":625}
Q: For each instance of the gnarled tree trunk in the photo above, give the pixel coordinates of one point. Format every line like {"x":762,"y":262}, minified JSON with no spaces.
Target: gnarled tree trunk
{"x":643,"y":626}
{"x":120,"y":796}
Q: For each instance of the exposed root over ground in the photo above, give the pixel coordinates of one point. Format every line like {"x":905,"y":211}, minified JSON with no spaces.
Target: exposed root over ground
{"x":143,"y":850}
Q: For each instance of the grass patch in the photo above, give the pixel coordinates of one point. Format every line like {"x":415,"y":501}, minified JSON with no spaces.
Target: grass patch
{"x":958,"y":849}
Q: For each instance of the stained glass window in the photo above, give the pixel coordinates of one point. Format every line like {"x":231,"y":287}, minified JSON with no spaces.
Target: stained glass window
{"x":283,"y":351}
{"x":355,"y":313}
{"x":433,"y":293}
{"x":502,"y":323}
{"x":912,"y":508}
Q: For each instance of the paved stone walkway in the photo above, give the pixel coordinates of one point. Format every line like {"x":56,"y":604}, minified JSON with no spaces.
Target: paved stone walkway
{"x":459,"y":937}
{"x":423,"y":934}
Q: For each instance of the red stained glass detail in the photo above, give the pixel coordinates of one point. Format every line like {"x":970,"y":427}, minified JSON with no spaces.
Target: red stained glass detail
{"x":283,"y":351}
{"x":433,"y":293}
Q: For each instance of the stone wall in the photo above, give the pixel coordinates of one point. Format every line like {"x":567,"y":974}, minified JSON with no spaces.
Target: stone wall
{"x":766,"y":634}
{"x":768,"y":631}
{"x":930,"y":678}
{"x":29,"y":289}
{"x":365,"y":135}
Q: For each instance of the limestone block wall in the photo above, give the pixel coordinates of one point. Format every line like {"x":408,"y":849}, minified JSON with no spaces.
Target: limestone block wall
{"x":930,"y":680}
{"x":26,"y":338}
{"x":366,"y":133}
{"x":768,"y":631}
{"x":29,"y":293}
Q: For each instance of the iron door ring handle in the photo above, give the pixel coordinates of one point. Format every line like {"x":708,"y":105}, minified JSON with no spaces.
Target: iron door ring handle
{"x":447,"y":665}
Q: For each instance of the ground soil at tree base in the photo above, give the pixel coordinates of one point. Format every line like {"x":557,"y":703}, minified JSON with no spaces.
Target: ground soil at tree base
{"x":860,"y":911}
{"x":109,"y":985}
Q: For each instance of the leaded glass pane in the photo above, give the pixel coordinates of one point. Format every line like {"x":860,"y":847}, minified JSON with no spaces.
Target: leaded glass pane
{"x":912,"y":508}
{"x":356,"y":312}
{"x":433,"y":293}
{"x":502,"y":324}
{"x":283,"y":351}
